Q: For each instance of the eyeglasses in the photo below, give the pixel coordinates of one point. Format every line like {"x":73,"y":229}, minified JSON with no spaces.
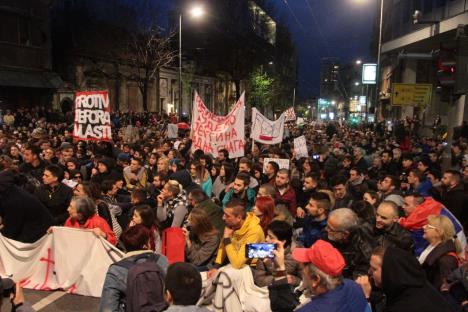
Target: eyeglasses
{"x":428,"y":226}
{"x":330,"y":229}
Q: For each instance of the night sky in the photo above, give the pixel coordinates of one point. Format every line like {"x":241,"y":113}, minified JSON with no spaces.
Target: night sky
{"x":326,"y":28}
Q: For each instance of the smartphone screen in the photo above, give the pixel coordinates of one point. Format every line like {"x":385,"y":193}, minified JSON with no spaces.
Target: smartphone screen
{"x":259,"y":250}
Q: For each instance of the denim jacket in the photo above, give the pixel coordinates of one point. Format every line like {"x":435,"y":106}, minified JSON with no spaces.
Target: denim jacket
{"x":115,"y":284}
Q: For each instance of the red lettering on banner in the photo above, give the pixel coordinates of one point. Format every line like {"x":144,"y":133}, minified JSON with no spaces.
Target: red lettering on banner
{"x":72,"y":289}
{"x":24,"y":282}
{"x":50,"y":264}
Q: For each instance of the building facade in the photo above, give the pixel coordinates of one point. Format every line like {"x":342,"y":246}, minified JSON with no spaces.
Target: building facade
{"x":26,"y":76}
{"x":413,"y":53}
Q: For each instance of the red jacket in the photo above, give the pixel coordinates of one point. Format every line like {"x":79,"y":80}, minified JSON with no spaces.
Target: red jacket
{"x":289,"y":198}
{"x":94,"y":222}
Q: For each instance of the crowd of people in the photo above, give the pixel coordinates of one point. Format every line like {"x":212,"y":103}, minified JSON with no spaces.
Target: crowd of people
{"x":371,"y":220}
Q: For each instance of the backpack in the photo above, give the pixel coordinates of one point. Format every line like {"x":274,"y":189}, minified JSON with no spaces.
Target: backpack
{"x":145,"y":284}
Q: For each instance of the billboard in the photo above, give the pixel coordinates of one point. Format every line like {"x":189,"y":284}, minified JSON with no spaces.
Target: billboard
{"x":369,"y":73}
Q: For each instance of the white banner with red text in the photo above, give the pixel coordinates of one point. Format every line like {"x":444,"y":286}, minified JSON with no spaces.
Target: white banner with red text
{"x":211,"y":133}
{"x":71,"y":259}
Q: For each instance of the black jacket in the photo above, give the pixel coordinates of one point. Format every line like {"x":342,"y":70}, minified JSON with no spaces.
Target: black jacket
{"x":440,"y":262}
{"x":405,"y":285}
{"x":356,"y":252}
{"x":25,"y":219}
{"x":455,"y":200}
{"x":57,"y":201}
{"x":395,"y":236}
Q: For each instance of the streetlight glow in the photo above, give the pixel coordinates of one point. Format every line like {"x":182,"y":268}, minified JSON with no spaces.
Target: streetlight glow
{"x":356,"y":83}
{"x":358,"y":62}
{"x":197,"y":11}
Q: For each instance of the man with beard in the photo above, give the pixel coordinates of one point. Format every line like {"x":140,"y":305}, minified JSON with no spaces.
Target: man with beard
{"x":285,"y":194}
{"x":242,"y":228}
{"x":343,"y":230}
{"x":316,"y":219}
{"x":310,"y":185}
{"x":386,"y":231}
{"x":242,"y":191}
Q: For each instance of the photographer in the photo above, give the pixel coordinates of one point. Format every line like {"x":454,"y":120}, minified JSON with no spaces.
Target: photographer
{"x":9,"y":289}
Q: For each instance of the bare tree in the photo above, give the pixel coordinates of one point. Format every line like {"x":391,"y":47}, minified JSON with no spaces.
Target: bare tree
{"x":148,"y":52}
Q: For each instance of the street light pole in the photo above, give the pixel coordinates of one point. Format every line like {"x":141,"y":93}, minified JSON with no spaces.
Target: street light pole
{"x":179,"y":108}
{"x":379,"y":51}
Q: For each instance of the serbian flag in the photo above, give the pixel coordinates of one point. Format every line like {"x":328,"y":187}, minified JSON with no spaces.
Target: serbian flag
{"x":266,"y":131}
{"x":418,"y":218}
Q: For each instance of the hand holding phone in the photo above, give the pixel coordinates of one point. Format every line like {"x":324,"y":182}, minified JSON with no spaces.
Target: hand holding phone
{"x":259,"y":250}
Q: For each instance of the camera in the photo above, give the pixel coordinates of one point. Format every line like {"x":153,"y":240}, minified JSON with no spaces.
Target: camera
{"x":259,"y":250}
{"x":8,"y":287}
{"x":316,"y":156}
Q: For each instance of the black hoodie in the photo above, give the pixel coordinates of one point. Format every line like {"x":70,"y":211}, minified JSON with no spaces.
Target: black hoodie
{"x":405,"y":285}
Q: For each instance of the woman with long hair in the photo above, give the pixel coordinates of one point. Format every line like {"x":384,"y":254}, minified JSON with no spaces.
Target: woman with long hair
{"x":143,"y":214}
{"x":201,"y":238}
{"x":264,"y":209}
{"x":201,"y":176}
{"x":226,"y":175}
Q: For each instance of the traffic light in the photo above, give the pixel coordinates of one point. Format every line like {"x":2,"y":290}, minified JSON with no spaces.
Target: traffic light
{"x":447,"y":69}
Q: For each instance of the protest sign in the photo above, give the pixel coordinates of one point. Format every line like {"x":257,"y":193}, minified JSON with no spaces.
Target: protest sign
{"x":290,"y":115}
{"x":282,"y":163}
{"x":300,"y":147}
{"x":172,"y":131}
{"x":266,"y":131}
{"x":74,"y":260}
{"x":92,"y":116}
{"x":211,"y":133}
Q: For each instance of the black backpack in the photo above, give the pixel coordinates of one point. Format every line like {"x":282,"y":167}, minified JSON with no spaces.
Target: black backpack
{"x":145,"y":284}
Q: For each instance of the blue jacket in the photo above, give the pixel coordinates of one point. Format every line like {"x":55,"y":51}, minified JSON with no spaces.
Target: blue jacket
{"x":347,"y":297}
{"x":312,"y":231}
{"x":249,"y":200}
{"x":115,"y":284}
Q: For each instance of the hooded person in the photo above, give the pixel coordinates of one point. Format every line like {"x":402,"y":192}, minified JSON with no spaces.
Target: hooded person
{"x":24,"y":218}
{"x":404,"y":283}
{"x":106,"y":171}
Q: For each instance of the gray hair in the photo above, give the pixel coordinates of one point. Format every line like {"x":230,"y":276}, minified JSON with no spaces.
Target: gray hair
{"x":85,"y":206}
{"x":347,"y":219}
{"x":327,"y":281}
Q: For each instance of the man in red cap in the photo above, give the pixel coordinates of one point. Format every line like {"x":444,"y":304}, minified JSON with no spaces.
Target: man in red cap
{"x":322,"y":273}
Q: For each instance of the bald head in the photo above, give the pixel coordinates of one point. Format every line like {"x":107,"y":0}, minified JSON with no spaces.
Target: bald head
{"x":386,"y":215}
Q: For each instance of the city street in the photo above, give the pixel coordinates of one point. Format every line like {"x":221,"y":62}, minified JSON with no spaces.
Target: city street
{"x":54,"y":301}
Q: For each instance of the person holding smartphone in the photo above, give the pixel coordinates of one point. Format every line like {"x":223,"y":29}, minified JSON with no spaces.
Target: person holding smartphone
{"x":264,"y":273}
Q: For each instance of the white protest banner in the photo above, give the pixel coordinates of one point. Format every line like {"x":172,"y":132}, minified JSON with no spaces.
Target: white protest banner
{"x":71,"y":259}
{"x":300,"y":147}
{"x":266,"y":131}
{"x":290,"y":115}
{"x":211,"y":133}
{"x":172,"y":131}
{"x":92,"y":116}
{"x":282,"y":163}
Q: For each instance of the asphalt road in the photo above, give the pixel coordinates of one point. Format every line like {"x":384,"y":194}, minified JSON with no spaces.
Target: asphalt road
{"x":54,"y":301}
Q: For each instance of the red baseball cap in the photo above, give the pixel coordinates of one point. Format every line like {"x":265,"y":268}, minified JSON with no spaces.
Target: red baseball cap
{"x":323,"y":255}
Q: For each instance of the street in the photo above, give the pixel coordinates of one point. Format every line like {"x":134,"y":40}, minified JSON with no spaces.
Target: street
{"x":53,"y":301}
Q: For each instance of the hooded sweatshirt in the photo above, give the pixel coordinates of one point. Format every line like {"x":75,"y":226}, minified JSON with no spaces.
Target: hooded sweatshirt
{"x":234,"y":249}
{"x":406,"y":287}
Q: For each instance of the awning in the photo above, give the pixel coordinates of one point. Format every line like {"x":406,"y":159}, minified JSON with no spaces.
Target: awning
{"x":42,"y":80}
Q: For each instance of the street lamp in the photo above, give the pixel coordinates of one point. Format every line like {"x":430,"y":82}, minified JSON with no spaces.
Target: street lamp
{"x":358,"y":62}
{"x":196,"y":11}
{"x":379,"y":51}
{"x":356,"y":84}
